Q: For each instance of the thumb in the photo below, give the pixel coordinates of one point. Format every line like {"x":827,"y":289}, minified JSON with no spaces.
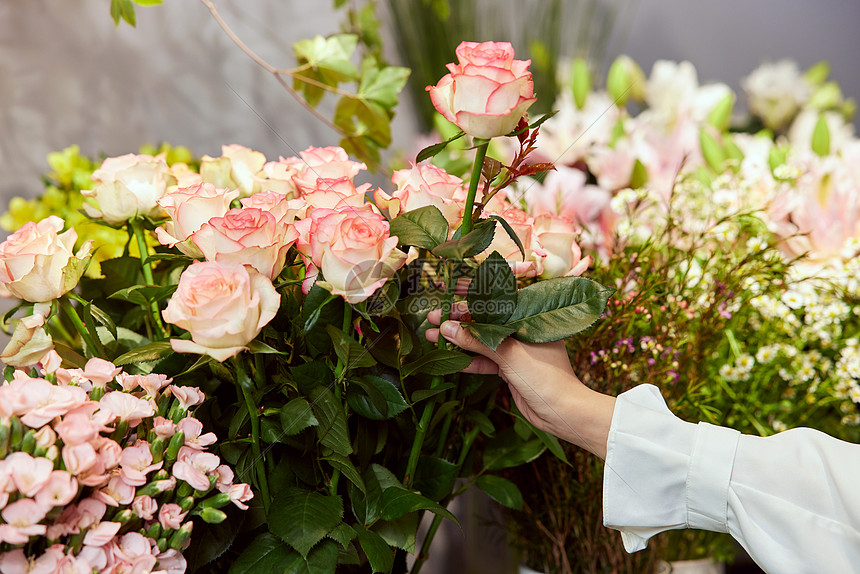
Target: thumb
{"x":455,"y":332}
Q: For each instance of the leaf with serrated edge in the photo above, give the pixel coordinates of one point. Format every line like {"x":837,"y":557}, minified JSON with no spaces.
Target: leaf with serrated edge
{"x":501,"y":490}
{"x":434,"y":149}
{"x":302,"y":518}
{"x":489,"y":335}
{"x":378,"y":553}
{"x":471,"y":244}
{"x":332,"y":430}
{"x":424,"y":227}
{"x":492,"y":295}
{"x":438,"y":362}
{"x":265,"y":554}
{"x":296,"y":416}
{"x":557,"y":308}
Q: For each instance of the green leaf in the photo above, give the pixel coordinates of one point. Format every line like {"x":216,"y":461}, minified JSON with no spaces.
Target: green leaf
{"x":618,"y":81}
{"x":330,"y":55}
{"x":511,"y":233}
{"x":315,"y":301}
{"x":434,"y":149}
{"x":332,"y":430}
{"x":471,"y":244}
{"x":638,"y":175}
{"x":492,"y":295}
{"x":363,"y":118}
{"x":435,"y":477}
{"x":821,"y":137}
{"x":581,"y":82}
{"x":506,"y":449}
{"x":265,"y":554}
{"x":348,"y":350}
{"x":423,"y":394}
{"x":257,"y":347}
{"x":712,"y":151}
{"x":150,"y":352}
{"x":302,"y":518}
{"x":818,"y":73}
{"x":345,"y":466}
{"x":557,"y":308}
{"x":424,"y":227}
{"x":397,"y":501}
{"x":378,"y":553}
{"x":296,"y":416}
{"x":343,"y":534}
{"x":149,"y":2}
{"x":501,"y":490}
{"x":400,"y":532}
{"x":482,"y":421}
{"x":321,"y":560}
{"x":104,"y":319}
{"x":382,"y":86}
{"x":375,"y":398}
{"x":721,"y":116}
{"x":438,"y":362}
{"x":490,"y":335}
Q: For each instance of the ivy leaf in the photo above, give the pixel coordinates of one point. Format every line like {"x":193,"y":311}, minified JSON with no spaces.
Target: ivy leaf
{"x":501,"y":490}
{"x":424,"y":227}
{"x":436,"y":148}
{"x":492,"y":295}
{"x":332,"y":430}
{"x":302,"y":518}
{"x":490,"y":335}
{"x":378,"y":553}
{"x":471,"y":244}
{"x":557,"y":308}
{"x":331,"y":56}
{"x":364,"y":118}
{"x":438,"y":362}
{"x":382,"y":86}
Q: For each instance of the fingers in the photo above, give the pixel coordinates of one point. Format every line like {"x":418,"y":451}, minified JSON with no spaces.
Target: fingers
{"x":458,"y":311}
{"x":457,"y":334}
{"x":482,"y":366}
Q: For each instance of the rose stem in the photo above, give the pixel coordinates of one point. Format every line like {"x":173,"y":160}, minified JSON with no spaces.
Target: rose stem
{"x":338,"y":373}
{"x":91,"y":348}
{"x":480,"y":153}
{"x":245,"y":387}
{"x":146,"y":267}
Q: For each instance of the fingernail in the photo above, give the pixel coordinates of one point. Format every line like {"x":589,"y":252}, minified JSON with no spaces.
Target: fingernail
{"x":449,"y":329}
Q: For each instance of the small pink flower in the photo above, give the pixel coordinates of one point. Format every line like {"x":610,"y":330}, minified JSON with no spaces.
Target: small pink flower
{"x":164,"y":428}
{"x":12,"y":535}
{"x":170,"y":516}
{"x":79,"y":458}
{"x":60,"y":490}
{"x":240,"y":493}
{"x":172,"y":562}
{"x":51,"y":362}
{"x":100,"y":372}
{"x":151,"y":383}
{"x":24,"y":515}
{"x":136,"y":463}
{"x":45,"y":437}
{"x":48,"y":401}
{"x":225,"y":477}
{"x":116,"y":492}
{"x":193,"y":467}
{"x":96,"y":557}
{"x":187,"y":396}
{"x":192,"y":429}
{"x":126,"y":407}
{"x":101,"y":533}
{"x":89,"y":512}
{"x":144,"y":506}
{"x":29,"y":473}
{"x":133,"y":554}
{"x":16,"y":562}
{"x":77,"y":428}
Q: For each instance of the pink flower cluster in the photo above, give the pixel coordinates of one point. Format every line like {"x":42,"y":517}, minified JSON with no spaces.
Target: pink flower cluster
{"x":102,"y":471}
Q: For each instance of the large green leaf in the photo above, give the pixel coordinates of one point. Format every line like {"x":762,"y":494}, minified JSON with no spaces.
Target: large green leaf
{"x":348,"y":350}
{"x":302,"y":518}
{"x":557,"y":308}
{"x":265,"y":554}
{"x":375,"y":398}
{"x":382,"y":86}
{"x":506,"y":449}
{"x":492,"y":294}
{"x":490,"y":335}
{"x":150,"y":352}
{"x":424,"y":227}
{"x":397,"y":501}
{"x":501,"y":490}
{"x":471,"y":244}
{"x":378,"y":553}
{"x":345,"y":466}
{"x":400,"y":532}
{"x":331,"y":55}
{"x":511,"y":233}
{"x":438,"y":362}
{"x":321,"y":560}
{"x":332,"y":430}
{"x":434,"y":477}
{"x":296,"y":416}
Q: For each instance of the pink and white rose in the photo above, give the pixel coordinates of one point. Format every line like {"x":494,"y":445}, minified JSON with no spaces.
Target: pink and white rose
{"x":421,"y":186}
{"x":223,"y":305}
{"x":238,"y":167}
{"x":487,"y":91}
{"x":189,"y":208}
{"x":321,"y":162}
{"x":127,"y":187}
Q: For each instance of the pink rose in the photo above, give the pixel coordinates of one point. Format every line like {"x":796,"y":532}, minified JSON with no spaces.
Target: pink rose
{"x":223,"y":305}
{"x":247,"y":236}
{"x":562,"y":255}
{"x":279,"y":178}
{"x":189,"y":208}
{"x":422,"y":186}
{"x":523,"y":225}
{"x":487,"y":92}
{"x":352,"y":248}
{"x":128,"y":186}
{"x":321,"y":162}
{"x":238,"y":167}
{"x":285,"y":211}
{"x":329,"y":193}
{"x":38,"y":263}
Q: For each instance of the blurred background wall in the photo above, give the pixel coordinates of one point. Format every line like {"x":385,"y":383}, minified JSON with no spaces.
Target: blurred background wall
{"x":68,"y":76}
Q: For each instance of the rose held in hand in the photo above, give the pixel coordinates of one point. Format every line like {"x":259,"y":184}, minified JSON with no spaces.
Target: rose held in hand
{"x":37,"y":262}
{"x":487,"y":91}
{"x":223,"y":305}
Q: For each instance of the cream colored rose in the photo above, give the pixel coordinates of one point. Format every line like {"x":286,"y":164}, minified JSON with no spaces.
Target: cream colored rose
{"x":487,"y":91}
{"x":223,"y":305}
{"x":37,"y":262}
{"x":189,"y":208}
{"x":238,"y":167}
{"x":562,"y":256}
{"x":128,"y":186}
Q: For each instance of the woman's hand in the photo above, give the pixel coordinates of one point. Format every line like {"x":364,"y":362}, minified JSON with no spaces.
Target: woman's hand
{"x":541,"y":381}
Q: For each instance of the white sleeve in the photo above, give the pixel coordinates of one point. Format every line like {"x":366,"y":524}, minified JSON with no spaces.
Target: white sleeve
{"x":791,"y":500}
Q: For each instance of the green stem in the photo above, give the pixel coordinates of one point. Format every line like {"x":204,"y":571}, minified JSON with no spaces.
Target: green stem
{"x":137,"y":228}
{"x":73,"y":316}
{"x":423,"y":554}
{"x":338,"y":373}
{"x":480,"y":154}
{"x":244,"y":384}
